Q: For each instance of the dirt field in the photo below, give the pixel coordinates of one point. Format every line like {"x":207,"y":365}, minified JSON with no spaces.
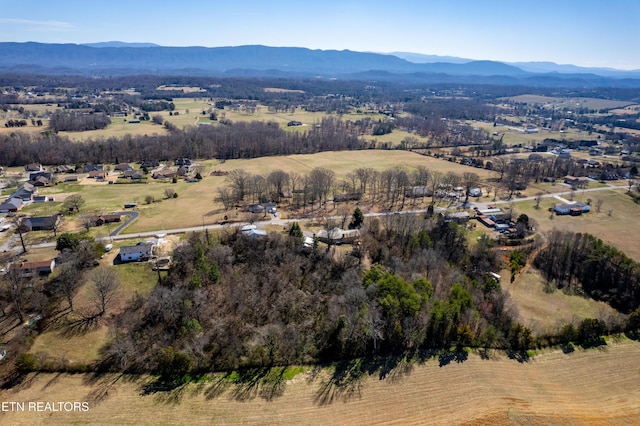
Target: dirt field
{"x":599,"y":386}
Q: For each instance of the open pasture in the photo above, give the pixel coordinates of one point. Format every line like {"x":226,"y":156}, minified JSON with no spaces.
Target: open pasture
{"x":569,"y":103}
{"x":614,"y":224}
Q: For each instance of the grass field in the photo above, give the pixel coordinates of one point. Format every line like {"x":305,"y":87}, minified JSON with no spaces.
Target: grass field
{"x":548,"y":312}
{"x":195,"y":203}
{"x":613,"y":224}
{"x":598,"y":386}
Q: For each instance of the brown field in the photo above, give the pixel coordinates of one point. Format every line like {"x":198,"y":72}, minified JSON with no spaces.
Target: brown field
{"x":570,"y":103}
{"x":598,"y":386}
{"x":547,"y":312}
{"x":185,"y":89}
{"x":279,"y":90}
{"x":612,"y":224}
{"x":514,"y":137}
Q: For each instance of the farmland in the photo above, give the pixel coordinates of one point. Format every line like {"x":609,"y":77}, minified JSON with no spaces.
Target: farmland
{"x":221,"y":334}
{"x":549,"y":389}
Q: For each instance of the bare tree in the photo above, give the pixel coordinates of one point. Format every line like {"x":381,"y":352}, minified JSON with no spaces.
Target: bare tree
{"x":599,"y":203}
{"x":68,"y":281}
{"x":106,"y":283}
{"x":16,"y":290}
{"x":538,"y":199}
{"x":87,"y":220}
{"x":239,"y":182}
{"x":277,"y":180}
{"x":73,"y":203}
{"x":470,"y":180}
{"x":169,"y":192}
{"x":225,"y":197}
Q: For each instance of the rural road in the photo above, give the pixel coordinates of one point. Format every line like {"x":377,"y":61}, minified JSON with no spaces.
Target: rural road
{"x":114,"y":236}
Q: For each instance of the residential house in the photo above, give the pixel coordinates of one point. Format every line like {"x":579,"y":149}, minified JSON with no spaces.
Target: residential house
{"x":88,"y":168}
{"x":137,"y":253}
{"x":262,"y":208}
{"x":42,"y":199}
{"x":475,"y":192}
{"x":25,"y":192}
{"x":182,"y":162}
{"x":107,"y":218}
{"x":35,"y":175}
{"x":133,"y":174}
{"x":42,"y":223}
{"x":98,"y":174}
{"x":164,"y":174}
{"x":40,"y":181}
{"x":149,"y":163}
{"x":457,"y":217}
{"x":33,"y":269}
{"x":73,"y":178}
{"x":418,"y":191}
{"x":576,"y":181}
{"x":339,"y":236}
{"x":184,"y":170}
{"x":11,"y":205}
{"x":574,"y":209}
{"x":123,"y":167}
{"x":33,"y":167}
{"x":64,"y":169}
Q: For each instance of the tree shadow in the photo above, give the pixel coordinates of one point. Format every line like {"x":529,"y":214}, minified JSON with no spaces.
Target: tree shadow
{"x":520,"y":356}
{"x":445,"y":357}
{"x":267,"y":383}
{"x":86,"y":323}
{"x":101,"y":385}
{"x":344,"y":384}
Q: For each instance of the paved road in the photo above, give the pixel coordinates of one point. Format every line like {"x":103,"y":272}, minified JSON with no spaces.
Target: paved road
{"x":132,"y":216}
{"x":565,"y":189}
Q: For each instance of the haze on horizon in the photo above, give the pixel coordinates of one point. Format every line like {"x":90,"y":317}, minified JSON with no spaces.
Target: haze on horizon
{"x":588,"y":33}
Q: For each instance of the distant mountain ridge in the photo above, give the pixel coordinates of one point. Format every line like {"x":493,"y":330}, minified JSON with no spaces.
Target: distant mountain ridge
{"x":533,"y":67}
{"x":119,"y":44}
{"x":118,"y":58}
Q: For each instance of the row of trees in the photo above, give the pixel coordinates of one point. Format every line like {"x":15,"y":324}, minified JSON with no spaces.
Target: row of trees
{"x":234,"y":140}
{"x":77,"y":122}
{"x":394,"y":187}
{"x":586,"y":265}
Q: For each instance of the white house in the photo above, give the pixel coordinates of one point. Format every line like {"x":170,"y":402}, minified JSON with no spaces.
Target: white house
{"x":135,"y":253}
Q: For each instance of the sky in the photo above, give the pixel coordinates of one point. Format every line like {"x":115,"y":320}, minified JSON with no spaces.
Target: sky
{"x":592,"y":33}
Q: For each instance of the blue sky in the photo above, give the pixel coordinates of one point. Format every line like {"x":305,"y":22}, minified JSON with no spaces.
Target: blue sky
{"x":581,"y":32}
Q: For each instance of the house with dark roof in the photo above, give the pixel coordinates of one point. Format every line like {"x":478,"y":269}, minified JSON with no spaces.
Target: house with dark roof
{"x":11,"y":205}
{"x":25,"y":192}
{"x":40,"y":181}
{"x":136,"y":253}
{"x":42,"y":223}
{"x":35,"y":175}
{"x":107,"y":218}
{"x":92,"y":168}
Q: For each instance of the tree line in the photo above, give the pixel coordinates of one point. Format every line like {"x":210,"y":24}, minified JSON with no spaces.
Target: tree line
{"x":584,"y":264}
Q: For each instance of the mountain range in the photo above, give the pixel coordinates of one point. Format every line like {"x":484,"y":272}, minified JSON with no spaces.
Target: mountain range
{"x":118,"y":58}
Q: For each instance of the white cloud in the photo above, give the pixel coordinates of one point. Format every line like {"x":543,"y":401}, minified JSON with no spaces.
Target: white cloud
{"x":38,"y":25}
